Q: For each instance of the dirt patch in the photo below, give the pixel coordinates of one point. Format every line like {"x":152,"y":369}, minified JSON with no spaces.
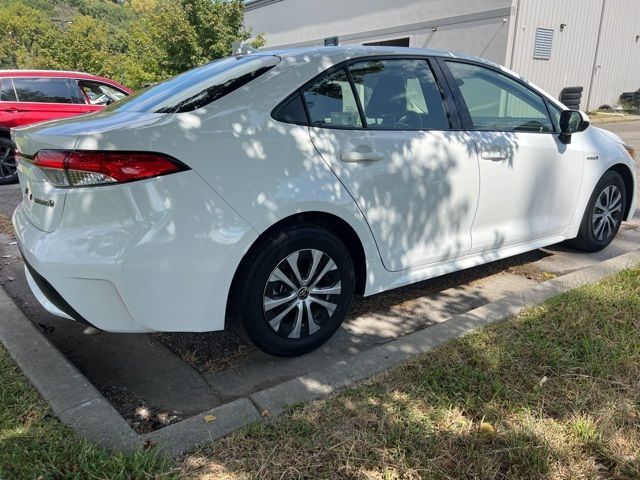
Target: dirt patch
{"x":6,"y":226}
{"x":531,"y":272}
{"x":140,"y":416}
{"x":207,"y":352}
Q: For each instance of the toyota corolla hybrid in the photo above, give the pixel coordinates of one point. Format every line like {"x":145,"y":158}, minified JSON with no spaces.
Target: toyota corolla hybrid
{"x":272,"y":187}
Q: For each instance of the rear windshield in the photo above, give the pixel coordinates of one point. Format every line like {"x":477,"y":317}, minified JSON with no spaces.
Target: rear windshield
{"x":198,"y":87}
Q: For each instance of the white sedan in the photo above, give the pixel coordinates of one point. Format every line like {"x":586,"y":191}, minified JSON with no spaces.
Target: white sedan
{"x":272,"y":187}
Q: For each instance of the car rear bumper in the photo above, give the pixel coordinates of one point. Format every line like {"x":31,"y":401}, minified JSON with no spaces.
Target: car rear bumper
{"x":154,"y":255}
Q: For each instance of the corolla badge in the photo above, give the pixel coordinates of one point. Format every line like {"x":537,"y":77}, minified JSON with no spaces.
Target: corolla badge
{"x":46,"y":203}
{"x":39,"y":201}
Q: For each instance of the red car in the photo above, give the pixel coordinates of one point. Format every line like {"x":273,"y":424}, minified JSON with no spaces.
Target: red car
{"x":30,"y":96}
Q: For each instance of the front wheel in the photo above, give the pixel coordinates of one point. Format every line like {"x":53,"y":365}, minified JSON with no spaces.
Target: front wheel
{"x":603,"y":215}
{"x":296,"y":290}
{"x":8,"y":170}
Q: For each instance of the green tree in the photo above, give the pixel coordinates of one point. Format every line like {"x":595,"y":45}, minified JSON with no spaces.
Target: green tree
{"x":134,"y":42}
{"x":27,"y":34}
{"x":84,"y":46}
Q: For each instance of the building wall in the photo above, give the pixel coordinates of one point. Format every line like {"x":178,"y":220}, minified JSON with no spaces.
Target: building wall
{"x":617,"y":68}
{"x":477,"y":27}
{"x":499,"y":30}
{"x":576,"y":50}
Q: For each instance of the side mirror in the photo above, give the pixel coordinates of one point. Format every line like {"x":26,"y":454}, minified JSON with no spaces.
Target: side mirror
{"x":572,"y":121}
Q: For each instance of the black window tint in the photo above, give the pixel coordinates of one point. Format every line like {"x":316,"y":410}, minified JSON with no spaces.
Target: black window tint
{"x":77,"y":96}
{"x":292,"y":111}
{"x":331,"y":102}
{"x":47,"y":90}
{"x":7,"y":93}
{"x":499,"y":103}
{"x":199,"y":87}
{"x":399,"y":95}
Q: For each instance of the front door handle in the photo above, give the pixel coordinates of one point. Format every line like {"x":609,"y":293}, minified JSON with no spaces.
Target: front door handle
{"x":12,"y":110}
{"x":354,"y":157}
{"x":495,"y":156}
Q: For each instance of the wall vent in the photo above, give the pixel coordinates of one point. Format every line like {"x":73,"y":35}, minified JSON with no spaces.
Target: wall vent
{"x":544,"y":42}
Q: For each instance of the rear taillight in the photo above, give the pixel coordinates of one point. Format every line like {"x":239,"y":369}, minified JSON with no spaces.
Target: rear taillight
{"x":81,"y":168}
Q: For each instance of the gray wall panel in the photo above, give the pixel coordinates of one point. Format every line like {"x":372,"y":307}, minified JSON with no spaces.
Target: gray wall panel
{"x":618,"y":64}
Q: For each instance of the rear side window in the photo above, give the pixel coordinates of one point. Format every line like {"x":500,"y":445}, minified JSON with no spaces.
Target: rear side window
{"x":44,"y":90}
{"x":292,"y":111}
{"x":394,"y":94}
{"x":332,"y":103}
{"x":399,"y":95}
{"x":7,"y":93}
{"x":199,"y":87}
{"x":499,"y":103}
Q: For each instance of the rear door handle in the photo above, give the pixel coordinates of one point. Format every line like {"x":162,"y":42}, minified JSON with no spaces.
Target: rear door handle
{"x":13,"y":110}
{"x":354,"y":157}
{"x":495,"y":156}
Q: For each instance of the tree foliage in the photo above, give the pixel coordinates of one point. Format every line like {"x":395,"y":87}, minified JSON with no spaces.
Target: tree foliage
{"x":133,"y":41}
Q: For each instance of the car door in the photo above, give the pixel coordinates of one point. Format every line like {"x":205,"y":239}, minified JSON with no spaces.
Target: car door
{"x":9,"y":107}
{"x":382,"y":125}
{"x":41,"y":98}
{"x":529,"y":180}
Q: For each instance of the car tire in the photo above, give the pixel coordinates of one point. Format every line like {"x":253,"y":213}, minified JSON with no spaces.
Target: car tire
{"x":607,"y":204}
{"x":8,"y":170}
{"x":285,"y":312}
{"x":571,"y":96}
{"x":566,"y":90}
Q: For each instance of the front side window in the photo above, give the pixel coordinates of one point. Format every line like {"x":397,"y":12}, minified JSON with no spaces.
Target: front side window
{"x":98,"y":93}
{"x":199,"y":87}
{"x":332,"y":103}
{"x":499,"y":103}
{"x":399,"y":95}
{"x":43,"y":90}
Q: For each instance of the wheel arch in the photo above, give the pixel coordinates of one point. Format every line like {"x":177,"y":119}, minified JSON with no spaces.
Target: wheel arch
{"x":331,"y":222}
{"x":627,"y":176}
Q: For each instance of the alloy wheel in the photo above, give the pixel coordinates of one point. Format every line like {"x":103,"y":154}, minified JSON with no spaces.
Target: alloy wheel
{"x":302,"y":293}
{"x":7,"y":162}
{"x":607,"y":213}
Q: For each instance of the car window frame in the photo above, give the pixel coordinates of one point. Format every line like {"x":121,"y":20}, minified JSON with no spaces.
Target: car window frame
{"x":448,"y":103}
{"x":465,"y":116}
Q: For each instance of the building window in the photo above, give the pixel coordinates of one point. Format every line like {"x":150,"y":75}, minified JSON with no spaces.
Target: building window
{"x":398,"y":42}
{"x":543,"y":45}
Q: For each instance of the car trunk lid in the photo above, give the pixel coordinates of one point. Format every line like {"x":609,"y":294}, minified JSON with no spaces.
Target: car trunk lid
{"x":42,"y":203}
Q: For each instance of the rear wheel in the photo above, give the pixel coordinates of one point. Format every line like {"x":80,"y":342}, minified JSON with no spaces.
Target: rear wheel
{"x":296,"y":291}
{"x":603,"y":215}
{"x":8,"y":171}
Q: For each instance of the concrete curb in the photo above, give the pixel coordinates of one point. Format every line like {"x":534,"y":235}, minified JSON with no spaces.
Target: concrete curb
{"x":72,"y":398}
{"x":78,"y":404}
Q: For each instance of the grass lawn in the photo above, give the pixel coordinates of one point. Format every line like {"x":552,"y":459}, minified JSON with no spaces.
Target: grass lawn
{"x":553,"y":393}
{"x":34,"y":445}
